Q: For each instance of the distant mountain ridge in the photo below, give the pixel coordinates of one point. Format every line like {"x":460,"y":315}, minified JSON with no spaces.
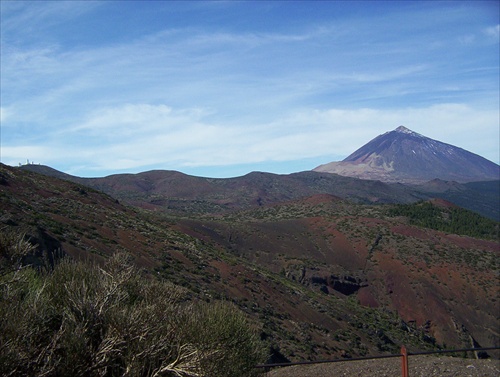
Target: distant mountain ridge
{"x":399,"y":166}
{"x":167,"y":189}
{"x":405,"y":156}
{"x":178,"y":193}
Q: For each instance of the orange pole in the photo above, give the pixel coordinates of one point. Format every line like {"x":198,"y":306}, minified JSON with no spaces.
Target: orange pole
{"x":404,"y":362}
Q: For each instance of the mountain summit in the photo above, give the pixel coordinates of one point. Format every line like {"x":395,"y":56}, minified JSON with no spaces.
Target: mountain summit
{"x":409,"y":157}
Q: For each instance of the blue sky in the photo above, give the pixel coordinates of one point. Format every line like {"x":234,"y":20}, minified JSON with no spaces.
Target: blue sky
{"x":220,"y":89}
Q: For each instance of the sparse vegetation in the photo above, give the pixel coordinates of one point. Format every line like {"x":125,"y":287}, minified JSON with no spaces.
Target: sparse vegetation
{"x":451,"y":220}
{"x":264,"y":261}
{"x":80,"y":319}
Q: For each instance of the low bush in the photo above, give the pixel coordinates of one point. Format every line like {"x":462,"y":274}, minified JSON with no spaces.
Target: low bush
{"x":84,"y":320}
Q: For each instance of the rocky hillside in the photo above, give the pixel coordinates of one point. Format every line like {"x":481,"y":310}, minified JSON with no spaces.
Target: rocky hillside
{"x":377,"y":256}
{"x":320,"y":276}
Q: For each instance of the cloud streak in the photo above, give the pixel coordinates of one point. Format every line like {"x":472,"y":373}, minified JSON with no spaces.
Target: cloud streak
{"x":172,"y":89}
{"x":146,"y":135}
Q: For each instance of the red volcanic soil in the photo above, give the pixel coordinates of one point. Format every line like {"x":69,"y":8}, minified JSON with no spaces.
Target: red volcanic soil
{"x":446,"y":238}
{"x":281,"y":263}
{"x":442,"y":203}
{"x":318,"y":199}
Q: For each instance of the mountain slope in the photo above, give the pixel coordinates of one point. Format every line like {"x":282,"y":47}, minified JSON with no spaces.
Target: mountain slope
{"x":406,"y":156}
{"x":482,"y":197}
{"x":320,"y":277}
{"x":176,"y":193}
{"x":430,"y":278}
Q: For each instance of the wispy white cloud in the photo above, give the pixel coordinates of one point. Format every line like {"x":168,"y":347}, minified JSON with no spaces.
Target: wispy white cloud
{"x":467,"y":39}
{"x":23,"y":20}
{"x":493,"y":32}
{"x":186,"y":92}
{"x":139,"y":136}
{"x":3,"y":114}
{"x":14,"y":155}
{"x":490,"y":34}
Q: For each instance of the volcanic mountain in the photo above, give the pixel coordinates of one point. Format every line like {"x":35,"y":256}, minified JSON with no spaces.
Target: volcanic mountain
{"x":408,"y":157}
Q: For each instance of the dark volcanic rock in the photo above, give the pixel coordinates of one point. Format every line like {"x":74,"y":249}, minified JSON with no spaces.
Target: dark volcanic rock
{"x":347,"y":285}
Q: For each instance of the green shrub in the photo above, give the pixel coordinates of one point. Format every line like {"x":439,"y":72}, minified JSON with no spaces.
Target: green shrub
{"x":13,"y":248}
{"x":84,"y":320}
{"x":225,"y":340}
{"x":450,"y":220}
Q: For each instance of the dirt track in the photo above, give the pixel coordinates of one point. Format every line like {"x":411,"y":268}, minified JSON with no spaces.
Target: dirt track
{"x":419,"y":366}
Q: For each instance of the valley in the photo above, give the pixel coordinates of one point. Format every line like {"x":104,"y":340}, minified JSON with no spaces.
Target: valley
{"x":319,"y":276}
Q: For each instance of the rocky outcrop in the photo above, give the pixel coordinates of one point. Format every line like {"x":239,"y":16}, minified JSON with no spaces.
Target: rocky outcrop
{"x":347,"y":285}
{"x":327,"y":283}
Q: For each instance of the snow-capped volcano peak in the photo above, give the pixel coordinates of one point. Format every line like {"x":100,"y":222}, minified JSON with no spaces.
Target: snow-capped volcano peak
{"x":404,"y":130}
{"x":406,"y":156}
